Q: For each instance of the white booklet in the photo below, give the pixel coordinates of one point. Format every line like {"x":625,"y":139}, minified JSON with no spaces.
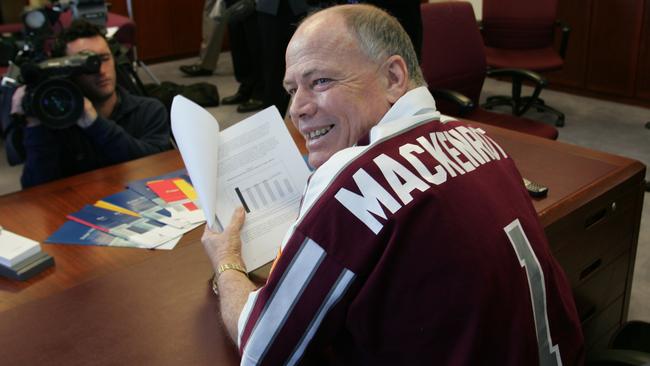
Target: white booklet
{"x":254,"y":164}
{"x":15,"y":248}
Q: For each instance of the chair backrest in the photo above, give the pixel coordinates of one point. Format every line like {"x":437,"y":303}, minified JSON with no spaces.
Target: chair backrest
{"x":125,"y":34}
{"x":517,"y":24}
{"x":453,"y":56}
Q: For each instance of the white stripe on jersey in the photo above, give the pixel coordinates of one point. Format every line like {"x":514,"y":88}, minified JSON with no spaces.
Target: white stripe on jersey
{"x":245,"y":313}
{"x":282,"y":301}
{"x":340,"y":287}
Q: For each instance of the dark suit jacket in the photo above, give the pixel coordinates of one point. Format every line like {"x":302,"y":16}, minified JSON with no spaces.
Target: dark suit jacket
{"x":272,"y":6}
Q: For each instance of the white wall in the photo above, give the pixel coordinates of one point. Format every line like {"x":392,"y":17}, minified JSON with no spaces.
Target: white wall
{"x":478,"y":7}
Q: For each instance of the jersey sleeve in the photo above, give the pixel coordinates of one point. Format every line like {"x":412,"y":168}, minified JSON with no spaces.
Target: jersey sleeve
{"x":280,"y":320}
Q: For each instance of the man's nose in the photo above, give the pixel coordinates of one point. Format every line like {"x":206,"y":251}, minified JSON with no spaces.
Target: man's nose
{"x":302,"y":104}
{"x":105,"y":66}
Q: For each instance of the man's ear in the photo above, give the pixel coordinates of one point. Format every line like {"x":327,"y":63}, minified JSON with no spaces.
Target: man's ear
{"x":397,"y":77}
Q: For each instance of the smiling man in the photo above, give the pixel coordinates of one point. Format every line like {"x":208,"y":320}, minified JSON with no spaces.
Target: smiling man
{"x":114,"y":127}
{"x":416,"y":242}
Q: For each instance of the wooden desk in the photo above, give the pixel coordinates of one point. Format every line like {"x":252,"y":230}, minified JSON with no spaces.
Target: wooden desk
{"x":39,"y":211}
{"x":131,"y":306}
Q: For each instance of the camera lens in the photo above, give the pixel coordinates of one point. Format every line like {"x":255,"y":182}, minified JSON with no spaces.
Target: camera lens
{"x":57,"y":103}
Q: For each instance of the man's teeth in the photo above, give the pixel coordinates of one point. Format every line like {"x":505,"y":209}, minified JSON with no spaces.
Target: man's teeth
{"x":318,"y":133}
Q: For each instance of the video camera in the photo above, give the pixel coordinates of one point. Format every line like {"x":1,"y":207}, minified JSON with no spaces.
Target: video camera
{"x":50,"y":95}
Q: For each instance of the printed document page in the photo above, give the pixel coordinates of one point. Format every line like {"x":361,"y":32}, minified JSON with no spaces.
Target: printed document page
{"x":259,"y":167}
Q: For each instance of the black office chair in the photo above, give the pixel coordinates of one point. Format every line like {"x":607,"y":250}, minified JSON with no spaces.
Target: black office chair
{"x":630,"y":346}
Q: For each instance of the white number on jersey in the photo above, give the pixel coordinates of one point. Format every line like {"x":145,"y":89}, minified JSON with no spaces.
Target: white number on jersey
{"x":549,"y":354}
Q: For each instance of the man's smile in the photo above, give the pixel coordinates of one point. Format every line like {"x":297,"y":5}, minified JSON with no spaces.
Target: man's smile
{"x":319,"y":132}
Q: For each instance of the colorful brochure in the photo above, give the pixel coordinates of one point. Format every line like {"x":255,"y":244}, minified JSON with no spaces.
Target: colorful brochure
{"x":140,"y":186}
{"x":72,"y":232}
{"x":176,"y":208}
{"x":176,"y":200}
{"x":142,"y":231}
{"x":136,"y":204}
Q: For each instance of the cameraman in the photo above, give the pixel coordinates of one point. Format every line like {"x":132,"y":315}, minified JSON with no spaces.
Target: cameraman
{"x":114,"y":127}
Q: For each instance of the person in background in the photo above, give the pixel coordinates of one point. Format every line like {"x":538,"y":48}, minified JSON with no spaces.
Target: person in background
{"x":245,"y":47}
{"x":115,"y":126}
{"x":407,"y":13}
{"x":416,"y":241}
{"x":213,"y":25}
{"x":277,"y":22}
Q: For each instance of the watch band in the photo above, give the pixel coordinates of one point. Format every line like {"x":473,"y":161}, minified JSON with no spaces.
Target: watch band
{"x":231,"y":266}
{"x":221,"y":269}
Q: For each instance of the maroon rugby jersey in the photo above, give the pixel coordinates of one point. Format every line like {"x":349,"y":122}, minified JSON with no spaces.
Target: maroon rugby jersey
{"x":420,"y":249}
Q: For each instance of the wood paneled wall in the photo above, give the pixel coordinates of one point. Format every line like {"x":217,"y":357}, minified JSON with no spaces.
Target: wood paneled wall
{"x":165,"y":28}
{"x":608,"y":52}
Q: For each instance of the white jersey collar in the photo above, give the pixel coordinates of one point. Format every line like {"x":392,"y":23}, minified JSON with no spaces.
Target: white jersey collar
{"x":415,"y":103}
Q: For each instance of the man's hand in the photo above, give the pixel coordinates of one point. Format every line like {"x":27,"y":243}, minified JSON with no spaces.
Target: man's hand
{"x":17,"y":106}
{"x":89,"y":115}
{"x":234,"y":287}
{"x":225,"y":247}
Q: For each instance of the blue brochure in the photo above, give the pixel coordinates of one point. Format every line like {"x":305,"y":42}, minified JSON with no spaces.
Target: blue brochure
{"x":142,"y":231}
{"x":131,"y":200}
{"x":72,"y":232}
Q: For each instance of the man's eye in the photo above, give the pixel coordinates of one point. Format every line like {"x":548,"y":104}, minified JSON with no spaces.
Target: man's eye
{"x":321,"y":81}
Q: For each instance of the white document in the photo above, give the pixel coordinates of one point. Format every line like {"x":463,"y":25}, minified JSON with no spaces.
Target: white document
{"x":15,"y":248}
{"x":254,"y":164}
{"x":196,"y":133}
{"x":172,"y":243}
{"x":155,"y":237}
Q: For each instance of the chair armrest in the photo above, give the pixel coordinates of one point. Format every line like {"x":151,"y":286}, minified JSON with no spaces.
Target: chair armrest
{"x":617,"y":357}
{"x":464,"y":104}
{"x":519,"y":74}
{"x":566,"y":31}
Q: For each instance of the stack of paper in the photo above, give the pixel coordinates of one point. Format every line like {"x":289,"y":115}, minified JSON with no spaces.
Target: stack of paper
{"x":137,"y":217}
{"x":20,"y":257}
{"x":15,"y":248}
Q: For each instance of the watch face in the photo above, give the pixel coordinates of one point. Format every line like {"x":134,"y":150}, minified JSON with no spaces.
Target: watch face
{"x":34,"y":19}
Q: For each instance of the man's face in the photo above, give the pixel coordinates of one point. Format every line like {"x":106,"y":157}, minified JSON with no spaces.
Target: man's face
{"x":338,"y":93}
{"x":101,"y":86}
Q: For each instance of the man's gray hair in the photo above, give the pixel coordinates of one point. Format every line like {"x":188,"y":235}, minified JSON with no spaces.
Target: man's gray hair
{"x":380,"y":36}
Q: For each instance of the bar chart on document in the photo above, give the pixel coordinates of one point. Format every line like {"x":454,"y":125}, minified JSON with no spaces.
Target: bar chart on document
{"x":265,"y":190}
{"x":269,"y":195}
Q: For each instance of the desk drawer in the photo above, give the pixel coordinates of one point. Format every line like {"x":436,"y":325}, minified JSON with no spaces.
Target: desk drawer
{"x":598,"y":329}
{"x":593,"y":236}
{"x":593,"y":296}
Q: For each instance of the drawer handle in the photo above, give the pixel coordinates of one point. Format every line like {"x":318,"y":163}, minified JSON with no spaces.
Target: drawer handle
{"x":588,"y":314}
{"x":590,"y":268}
{"x":595,"y":218}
